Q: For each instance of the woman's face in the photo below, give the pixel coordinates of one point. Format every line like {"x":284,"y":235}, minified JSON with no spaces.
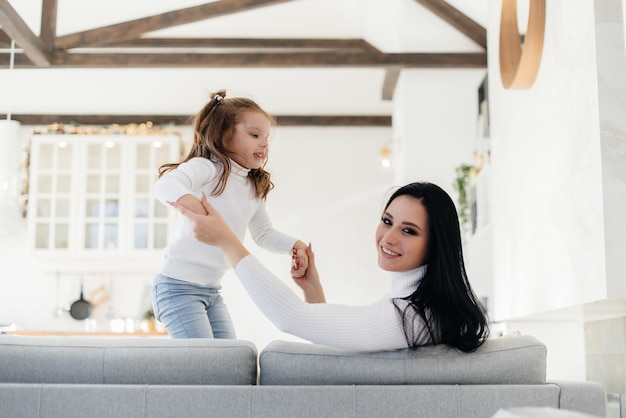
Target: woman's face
{"x":402,"y":235}
{"x":249,"y":145}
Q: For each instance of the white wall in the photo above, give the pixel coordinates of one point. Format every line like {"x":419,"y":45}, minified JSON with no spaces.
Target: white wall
{"x":434,"y":123}
{"x":559,"y":183}
{"x":547,"y":171}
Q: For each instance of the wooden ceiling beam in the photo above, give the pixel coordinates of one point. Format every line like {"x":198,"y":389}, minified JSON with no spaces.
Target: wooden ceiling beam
{"x":48,"y":23}
{"x":457,"y":19}
{"x":391,"y":79}
{"x":16,"y":29}
{"x":5,"y":41}
{"x":135,"y":28}
{"x":266,"y":60}
{"x":283,"y":120}
{"x":356,"y":44}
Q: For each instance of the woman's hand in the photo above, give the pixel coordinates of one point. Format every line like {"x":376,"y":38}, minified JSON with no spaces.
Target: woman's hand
{"x":310,"y":282}
{"x":213,"y":230}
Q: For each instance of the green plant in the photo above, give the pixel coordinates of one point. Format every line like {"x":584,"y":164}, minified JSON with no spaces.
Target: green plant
{"x":461,"y":185}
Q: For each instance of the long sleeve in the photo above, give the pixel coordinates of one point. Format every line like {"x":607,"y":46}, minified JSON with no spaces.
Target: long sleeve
{"x":187,"y":178}
{"x":264,"y":234}
{"x":368,"y":327}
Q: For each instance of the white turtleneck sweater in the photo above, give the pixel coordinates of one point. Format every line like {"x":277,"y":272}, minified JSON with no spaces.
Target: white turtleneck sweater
{"x":186,"y":258}
{"x":365,"y":328}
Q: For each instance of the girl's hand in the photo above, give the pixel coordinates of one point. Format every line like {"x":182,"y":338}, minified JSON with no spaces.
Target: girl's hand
{"x":310,"y":281}
{"x":299,"y":259}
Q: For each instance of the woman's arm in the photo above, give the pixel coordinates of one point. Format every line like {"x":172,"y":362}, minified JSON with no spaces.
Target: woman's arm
{"x":370,"y":327}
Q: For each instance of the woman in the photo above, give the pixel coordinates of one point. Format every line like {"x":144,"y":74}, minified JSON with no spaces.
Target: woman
{"x":418,"y":240}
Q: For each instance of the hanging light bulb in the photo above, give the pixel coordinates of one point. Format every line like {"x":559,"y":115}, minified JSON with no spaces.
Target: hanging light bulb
{"x":385,"y":156}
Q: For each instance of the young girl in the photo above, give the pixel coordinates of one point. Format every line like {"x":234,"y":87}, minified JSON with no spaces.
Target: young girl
{"x":418,"y":241}
{"x":225,"y":164}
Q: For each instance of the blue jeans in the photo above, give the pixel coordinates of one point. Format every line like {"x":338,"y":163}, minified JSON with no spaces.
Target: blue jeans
{"x":189,"y":310}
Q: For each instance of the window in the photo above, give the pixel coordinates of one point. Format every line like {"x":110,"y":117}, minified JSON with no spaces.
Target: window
{"x":93,"y":193}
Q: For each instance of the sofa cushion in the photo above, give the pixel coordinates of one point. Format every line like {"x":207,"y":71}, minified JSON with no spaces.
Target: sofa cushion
{"x":127,"y":360}
{"x":504,"y":360}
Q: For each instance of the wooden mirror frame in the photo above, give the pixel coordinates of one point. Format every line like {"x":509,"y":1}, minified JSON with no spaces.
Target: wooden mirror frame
{"x":519,"y":65}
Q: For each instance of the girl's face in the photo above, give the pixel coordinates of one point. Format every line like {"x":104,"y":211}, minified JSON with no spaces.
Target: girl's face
{"x":402,"y":235}
{"x":249,"y":145}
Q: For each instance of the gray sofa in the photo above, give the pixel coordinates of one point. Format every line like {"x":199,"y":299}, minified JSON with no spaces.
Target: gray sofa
{"x":160,"y":377}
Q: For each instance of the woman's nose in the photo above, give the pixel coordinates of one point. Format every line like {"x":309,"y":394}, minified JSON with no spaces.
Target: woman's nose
{"x":390,"y":237}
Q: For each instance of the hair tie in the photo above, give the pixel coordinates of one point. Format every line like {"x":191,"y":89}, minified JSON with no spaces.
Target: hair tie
{"x":218,"y":98}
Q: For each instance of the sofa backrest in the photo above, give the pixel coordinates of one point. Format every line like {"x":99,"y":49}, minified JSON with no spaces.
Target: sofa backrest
{"x":127,"y":360}
{"x":504,"y":360}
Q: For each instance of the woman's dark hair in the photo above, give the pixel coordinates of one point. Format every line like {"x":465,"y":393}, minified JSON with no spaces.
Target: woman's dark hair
{"x":213,"y":128}
{"x":444,"y":300}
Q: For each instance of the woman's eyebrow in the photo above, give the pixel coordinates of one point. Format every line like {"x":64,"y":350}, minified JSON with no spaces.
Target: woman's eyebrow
{"x":412,"y":224}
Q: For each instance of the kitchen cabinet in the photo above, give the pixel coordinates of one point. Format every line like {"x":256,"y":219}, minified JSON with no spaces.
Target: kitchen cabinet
{"x":93,"y":194}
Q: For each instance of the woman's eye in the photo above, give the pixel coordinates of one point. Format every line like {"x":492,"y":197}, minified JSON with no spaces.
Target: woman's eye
{"x":386,"y":221}
{"x":409,"y":231}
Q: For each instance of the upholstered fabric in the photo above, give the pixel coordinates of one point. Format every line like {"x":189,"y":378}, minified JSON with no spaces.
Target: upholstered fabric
{"x":127,"y":360}
{"x":506,"y":360}
{"x":160,"y":378}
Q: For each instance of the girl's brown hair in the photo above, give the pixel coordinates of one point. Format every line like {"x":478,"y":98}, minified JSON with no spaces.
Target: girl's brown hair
{"x":213,"y":129}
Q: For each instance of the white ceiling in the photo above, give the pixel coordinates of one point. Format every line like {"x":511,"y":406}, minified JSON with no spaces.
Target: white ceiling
{"x":390,"y":25}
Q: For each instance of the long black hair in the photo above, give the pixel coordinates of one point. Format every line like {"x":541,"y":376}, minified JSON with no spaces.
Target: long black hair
{"x":444,"y":300}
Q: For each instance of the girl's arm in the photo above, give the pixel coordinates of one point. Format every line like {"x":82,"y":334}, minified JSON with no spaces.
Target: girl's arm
{"x":264,"y":234}
{"x":184,"y":179}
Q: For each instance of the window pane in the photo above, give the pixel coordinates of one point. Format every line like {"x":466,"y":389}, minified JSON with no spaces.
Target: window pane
{"x":162,"y":155}
{"x":43,"y":207}
{"x":142,"y":184}
{"x":61,"y":235}
{"x":110,"y":236}
{"x":65,"y":155}
{"x":141,"y":208}
{"x":92,"y":208}
{"x":160,"y":210}
{"x":113,"y":154}
{"x":46,"y":153}
{"x":112,"y":184}
{"x":143,"y":156}
{"x":91,"y":235}
{"x":64,"y":183}
{"x":94,"y":153}
{"x":42,"y":233}
{"x":44,"y":183}
{"x":141,"y":236}
{"x":111,"y":208}
{"x":93,"y":183}
{"x":160,"y":236}
{"x":62,"y":208}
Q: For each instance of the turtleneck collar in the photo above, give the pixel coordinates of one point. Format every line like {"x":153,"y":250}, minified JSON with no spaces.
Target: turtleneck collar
{"x":403,"y":283}
{"x":237,"y":169}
